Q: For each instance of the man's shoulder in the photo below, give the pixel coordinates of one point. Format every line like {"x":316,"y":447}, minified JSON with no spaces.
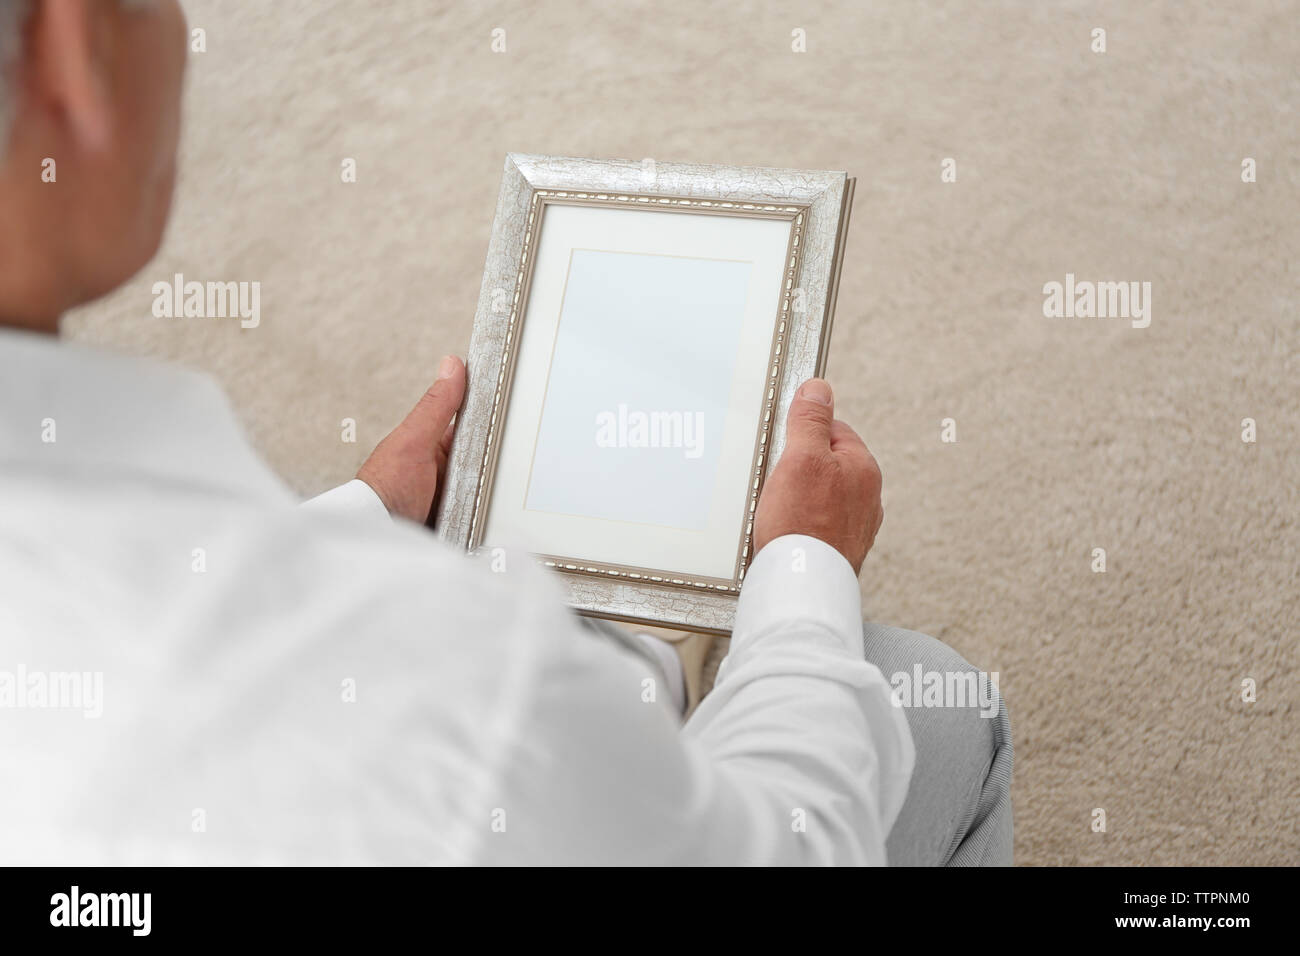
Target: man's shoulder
{"x":169,"y":552}
{"x":277,"y":668}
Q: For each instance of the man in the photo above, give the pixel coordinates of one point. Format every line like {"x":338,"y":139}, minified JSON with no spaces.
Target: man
{"x":195,"y":670}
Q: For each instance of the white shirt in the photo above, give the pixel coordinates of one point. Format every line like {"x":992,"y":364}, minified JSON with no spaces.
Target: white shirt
{"x":282,"y":685}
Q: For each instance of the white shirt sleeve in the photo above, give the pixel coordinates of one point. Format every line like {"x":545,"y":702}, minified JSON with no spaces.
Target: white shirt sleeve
{"x":355,"y":497}
{"x":798,"y":756}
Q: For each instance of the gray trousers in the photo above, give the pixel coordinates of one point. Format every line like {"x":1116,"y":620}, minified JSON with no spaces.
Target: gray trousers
{"x":958,"y":806}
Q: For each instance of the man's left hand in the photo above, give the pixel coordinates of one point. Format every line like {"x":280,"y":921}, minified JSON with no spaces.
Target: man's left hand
{"x":405,"y":468}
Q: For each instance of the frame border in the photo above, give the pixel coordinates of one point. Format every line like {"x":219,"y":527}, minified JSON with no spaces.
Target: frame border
{"x":541,"y":200}
{"x":817,"y":205}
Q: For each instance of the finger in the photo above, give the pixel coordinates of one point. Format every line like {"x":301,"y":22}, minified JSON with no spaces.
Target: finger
{"x":428,"y":422}
{"x":844,"y":438}
{"x":847,"y":442}
{"x":443,"y":454}
{"x":808,"y":424}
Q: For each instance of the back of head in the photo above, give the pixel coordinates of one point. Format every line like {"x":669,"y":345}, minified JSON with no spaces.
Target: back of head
{"x":89,"y":126}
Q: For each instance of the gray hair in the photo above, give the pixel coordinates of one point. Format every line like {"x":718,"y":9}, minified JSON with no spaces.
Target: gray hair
{"x":13,"y":17}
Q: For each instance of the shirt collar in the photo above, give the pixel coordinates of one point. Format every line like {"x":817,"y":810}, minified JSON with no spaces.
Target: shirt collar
{"x":71,"y":408}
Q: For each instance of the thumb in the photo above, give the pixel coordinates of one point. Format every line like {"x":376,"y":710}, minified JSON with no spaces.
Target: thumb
{"x":427,"y":423}
{"x":808,"y":424}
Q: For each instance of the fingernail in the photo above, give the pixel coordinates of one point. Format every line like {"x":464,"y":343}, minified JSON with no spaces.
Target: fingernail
{"x":815,"y":390}
{"x":447,"y":368}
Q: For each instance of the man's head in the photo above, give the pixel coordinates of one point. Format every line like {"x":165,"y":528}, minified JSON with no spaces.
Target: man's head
{"x":90,"y":107}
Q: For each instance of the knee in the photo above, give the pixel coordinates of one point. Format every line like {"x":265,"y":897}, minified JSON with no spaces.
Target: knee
{"x":958,"y":804}
{"x":930,"y":677}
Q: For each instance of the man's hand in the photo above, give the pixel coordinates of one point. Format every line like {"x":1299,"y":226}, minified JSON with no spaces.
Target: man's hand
{"x":405,"y":467}
{"x":826,"y":485}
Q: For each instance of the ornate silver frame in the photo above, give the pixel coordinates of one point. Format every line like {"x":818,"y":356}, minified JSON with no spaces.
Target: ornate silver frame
{"x":817,"y":205}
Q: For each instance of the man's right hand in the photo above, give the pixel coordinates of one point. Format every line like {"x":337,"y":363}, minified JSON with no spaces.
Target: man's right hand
{"x":826,"y":485}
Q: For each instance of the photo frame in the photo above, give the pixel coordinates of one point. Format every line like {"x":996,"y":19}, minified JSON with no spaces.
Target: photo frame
{"x":640,"y":331}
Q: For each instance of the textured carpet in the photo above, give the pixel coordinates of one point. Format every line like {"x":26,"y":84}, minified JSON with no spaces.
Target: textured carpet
{"x":1125,"y":687}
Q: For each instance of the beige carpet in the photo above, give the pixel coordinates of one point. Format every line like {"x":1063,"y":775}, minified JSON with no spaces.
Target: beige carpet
{"x":1124,"y":687}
